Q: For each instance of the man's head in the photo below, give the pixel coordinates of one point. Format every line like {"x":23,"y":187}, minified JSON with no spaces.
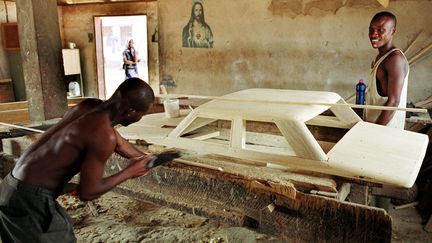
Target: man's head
{"x":381,"y":29}
{"x":198,"y":12}
{"x":130,"y":43}
{"x":135,"y":96}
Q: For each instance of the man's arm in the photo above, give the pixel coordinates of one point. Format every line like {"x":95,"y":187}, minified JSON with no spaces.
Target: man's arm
{"x":125,"y":60}
{"x":396,"y":69}
{"x":92,"y":183}
{"x":125,"y":148}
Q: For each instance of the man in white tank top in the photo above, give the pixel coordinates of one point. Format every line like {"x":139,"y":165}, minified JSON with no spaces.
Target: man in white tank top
{"x":388,"y":83}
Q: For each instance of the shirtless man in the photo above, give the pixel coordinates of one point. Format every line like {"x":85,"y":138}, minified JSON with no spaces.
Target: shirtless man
{"x":389,"y":76}
{"x":81,"y":143}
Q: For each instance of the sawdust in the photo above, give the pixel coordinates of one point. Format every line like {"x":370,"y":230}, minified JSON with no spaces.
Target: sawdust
{"x":117,"y":218}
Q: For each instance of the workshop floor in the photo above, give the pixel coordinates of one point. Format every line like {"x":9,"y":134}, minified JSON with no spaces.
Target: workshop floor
{"x":117,"y":218}
{"x":407,"y":226}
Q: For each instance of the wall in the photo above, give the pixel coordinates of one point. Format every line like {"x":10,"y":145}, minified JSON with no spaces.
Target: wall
{"x":296,"y":44}
{"x":77,"y":23}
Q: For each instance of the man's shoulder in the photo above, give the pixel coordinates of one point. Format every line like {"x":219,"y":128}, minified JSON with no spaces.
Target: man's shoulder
{"x":396,"y":57}
{"x":396,"y":54}
{"x":96,"y":118}
{"x":96,"y":125}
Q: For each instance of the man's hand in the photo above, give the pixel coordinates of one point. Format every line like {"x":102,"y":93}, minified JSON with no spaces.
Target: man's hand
{"x":162,"y":158}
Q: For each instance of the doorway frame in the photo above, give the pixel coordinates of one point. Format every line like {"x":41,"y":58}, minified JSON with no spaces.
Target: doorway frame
{"x":99,"y":50}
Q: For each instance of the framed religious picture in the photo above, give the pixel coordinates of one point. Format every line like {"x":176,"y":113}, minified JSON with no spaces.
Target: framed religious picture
{"x":197,"y":33}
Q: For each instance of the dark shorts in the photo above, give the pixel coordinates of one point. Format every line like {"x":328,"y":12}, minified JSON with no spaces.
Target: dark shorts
{"x":32,"y":214}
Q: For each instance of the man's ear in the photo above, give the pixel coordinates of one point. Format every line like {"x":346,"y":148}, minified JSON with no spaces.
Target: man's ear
{"x":393,"y":30}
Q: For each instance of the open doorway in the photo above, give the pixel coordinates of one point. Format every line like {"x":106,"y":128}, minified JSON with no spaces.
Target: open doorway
{"x":112,"y":34}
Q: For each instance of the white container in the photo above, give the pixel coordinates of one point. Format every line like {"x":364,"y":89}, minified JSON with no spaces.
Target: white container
{"x":71,"y":45}
{"x":172,"y":108}
{"x":74,"y":88}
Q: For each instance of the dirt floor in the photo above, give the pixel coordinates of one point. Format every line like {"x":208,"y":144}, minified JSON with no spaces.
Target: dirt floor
{"x":117,"y":218}
{"x":407,"y":226}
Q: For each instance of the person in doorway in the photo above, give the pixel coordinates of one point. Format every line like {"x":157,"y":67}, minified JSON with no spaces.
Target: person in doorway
{"x":81,"y":143}
{"x":130,"y":60}
{"x":387,"y":86}
{"x":388,"y":82}
{"x":197,"y":32}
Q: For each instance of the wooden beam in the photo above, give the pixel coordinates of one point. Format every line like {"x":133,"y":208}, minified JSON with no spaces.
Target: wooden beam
{"x":204,"y":135}
{"x":301,"y":140}
{"x":17,"y":112}
{"x":372,"y":107}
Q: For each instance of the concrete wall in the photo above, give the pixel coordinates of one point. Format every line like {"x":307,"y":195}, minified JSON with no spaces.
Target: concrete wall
{"x":77,"y":24}
{"x":296,"y":44}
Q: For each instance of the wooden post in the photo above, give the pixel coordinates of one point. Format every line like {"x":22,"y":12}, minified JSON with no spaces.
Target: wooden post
{"x":40,"y":47}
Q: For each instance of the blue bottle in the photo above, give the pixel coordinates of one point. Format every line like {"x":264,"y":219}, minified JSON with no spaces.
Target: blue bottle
{"x":360,"y":92}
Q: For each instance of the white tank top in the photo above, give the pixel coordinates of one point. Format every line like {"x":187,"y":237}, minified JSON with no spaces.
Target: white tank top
{"x":373,"y":98}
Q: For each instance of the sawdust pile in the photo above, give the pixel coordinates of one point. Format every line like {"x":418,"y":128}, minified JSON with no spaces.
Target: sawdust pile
{"x":117,"y":218}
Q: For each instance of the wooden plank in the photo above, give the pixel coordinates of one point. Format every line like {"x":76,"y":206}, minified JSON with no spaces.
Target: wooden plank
{"x":21,"y":127}
{"x":198,"y":123}
{"x":367,"y":151}
{"x":282,"y":97}
{"x":204,"y":135}
{"x":301,"y":140}
{"x":343,"y":191}
{"x":329,"y":121}
{"x":184,"y":124}
{"x":238,"y":133}
{"x":13,"y":105}
{"x":15,"y":116}
{"x":17,"y":112}
{"x":345,"y":114}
